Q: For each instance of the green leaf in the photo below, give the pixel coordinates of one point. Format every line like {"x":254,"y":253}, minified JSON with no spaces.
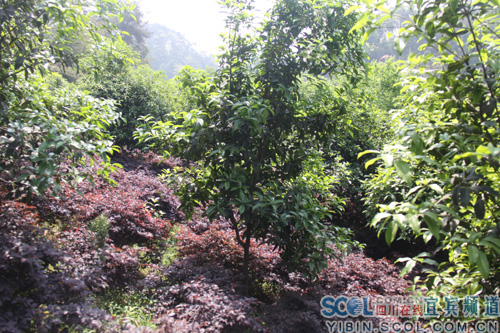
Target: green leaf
{"x":388,"y":159}
{"x":473,"y":253}
{"x":399,"y":44}
{"x":465,"y":196}
{"x":403,"y":170}
{"x":431,"y":262}
{"x":455,"y":195}
{"x":372,"y":161}
{"x":493,"y":240}
{"x":22,"y":177}
{"x":391,"y":232}
{"x":410,"y":264}
{"x":414,"y":223}
{"x":361,"y":22}
{"x":483,"y":264}
{"x":351,"y":9}
{"x":479,"y":209}
{"x":379,"y":217}
{"x":427,"y":236}
{"x":368,"y":152}
{"x":432,"y":221}
{"x":436,"y":188}
{"x":19,"y":62}
{"x":417,"y":145}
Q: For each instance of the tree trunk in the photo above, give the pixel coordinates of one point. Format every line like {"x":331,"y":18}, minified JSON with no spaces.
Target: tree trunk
{"x":246,"y":259}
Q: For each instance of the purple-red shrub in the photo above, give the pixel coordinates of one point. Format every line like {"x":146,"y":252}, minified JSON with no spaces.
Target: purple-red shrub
{"x":40,"y":287}
{"x":217,"y":244}
{"x":45,"y":285}
{"x":358,"y":275}
{"x":135,"y":159}
{"x":47,"y":274}
{"x":131,"y":216}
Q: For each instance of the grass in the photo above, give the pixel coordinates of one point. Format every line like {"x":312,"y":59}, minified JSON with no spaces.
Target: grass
{"x":127,"y":306}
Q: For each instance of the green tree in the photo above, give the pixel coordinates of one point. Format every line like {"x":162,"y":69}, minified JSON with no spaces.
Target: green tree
{"x":440,"y":180}
{"x":38,"y":132}
{"x":134,"y":30}
{"x":138,"y":91}
{"x":258,"y":145}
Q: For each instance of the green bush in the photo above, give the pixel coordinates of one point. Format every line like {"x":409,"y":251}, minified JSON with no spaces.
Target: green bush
{"x":440,"y":179}
{"x":51,"y":134}
{"x":40,"y":128}
{"x":127,"y":307}
{"x":362,"y":114}
{"x":137,"y":89}
{"x":100,"y":226}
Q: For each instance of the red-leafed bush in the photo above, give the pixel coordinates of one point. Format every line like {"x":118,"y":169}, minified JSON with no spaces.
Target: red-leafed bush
{"x":54,"y":258}
{"x":41,"y":287}
{"x":111,"y":244}
{"x":210,"y":273}
{"x":133,"y":219}
{"x":206,"y":298}
{"x":358,"y":275}
{"x":217,"y":244}
{"x":134,"y":159}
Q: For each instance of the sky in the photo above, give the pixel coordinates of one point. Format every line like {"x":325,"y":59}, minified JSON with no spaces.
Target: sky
{"x":200,"y":21}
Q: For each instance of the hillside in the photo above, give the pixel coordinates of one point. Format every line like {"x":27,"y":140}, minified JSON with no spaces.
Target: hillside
{"x":169,"y":51}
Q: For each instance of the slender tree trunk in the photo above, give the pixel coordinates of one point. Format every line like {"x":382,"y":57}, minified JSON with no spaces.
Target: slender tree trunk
{"x":243,"y":241}
{"x":246,"y":259}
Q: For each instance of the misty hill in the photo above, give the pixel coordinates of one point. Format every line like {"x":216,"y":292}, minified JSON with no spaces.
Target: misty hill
{"x":169,"y":51}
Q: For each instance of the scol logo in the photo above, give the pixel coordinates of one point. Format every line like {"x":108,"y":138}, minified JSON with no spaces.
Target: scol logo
{"x":345,"y":306}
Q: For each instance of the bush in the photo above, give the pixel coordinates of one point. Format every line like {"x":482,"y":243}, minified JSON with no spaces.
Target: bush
{"x":41,"y":288}
{"x":138,"y":90}
{"x":100,"y":226}
{"x":50,"y":127}
{"x":40,"y":128}
{"x":49,"y":275}
{"x":439,"y":180}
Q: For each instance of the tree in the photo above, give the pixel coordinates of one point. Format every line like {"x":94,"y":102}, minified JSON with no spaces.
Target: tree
{"x":256,"y":143}
{"x":38,"y":132}
{"x":440,"y":179}
{"x":134,"y":30}
{"x":138,"y":90}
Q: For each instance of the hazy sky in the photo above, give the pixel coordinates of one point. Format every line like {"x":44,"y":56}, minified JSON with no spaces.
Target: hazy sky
{"x":200,"y":21}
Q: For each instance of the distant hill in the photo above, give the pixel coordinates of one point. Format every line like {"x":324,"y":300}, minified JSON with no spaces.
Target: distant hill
{"x":169,"y":51}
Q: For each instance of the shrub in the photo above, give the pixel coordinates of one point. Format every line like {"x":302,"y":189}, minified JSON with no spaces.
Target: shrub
{"x":100,"y":226}
{"x":42,"y":288}
{"x":56,"y":125}
{"x":40,"y":128}
{"x":138,"y":90}
{"x":439,"y":180}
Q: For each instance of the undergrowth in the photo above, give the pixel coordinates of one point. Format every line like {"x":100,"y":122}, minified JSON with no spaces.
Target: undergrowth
{"x":116,"y":259}
{"x":127,"y":307}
